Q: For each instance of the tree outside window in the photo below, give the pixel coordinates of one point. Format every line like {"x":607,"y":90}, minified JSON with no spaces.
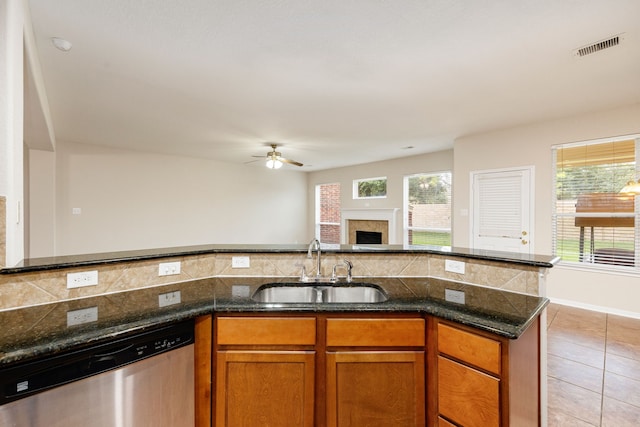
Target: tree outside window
{"x":428,"y":209}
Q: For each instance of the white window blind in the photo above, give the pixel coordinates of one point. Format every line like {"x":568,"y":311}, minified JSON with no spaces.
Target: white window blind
{"x":595,"y":221}
{"x":500,"y":211}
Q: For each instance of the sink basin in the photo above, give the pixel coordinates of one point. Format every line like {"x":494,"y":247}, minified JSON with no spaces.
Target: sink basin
{"x":302,"y":293}
{"x":284,"y":294}
{"x":354,"y":294}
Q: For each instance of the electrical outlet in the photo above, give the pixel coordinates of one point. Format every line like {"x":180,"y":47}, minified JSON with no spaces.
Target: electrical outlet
{"x":240,"y":262}
{"x":169,"y":298}
{"x":240,"y":291}
{"x":84,"y":315}
{"x":454,"y":266}
{"x":454,"y":296}
{"x":169,"y":268}
{"x":84,"y":278}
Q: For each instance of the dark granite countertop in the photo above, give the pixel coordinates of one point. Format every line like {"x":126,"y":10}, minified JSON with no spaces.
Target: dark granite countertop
{"x":58,"y":262}
{"x":39,"y":331}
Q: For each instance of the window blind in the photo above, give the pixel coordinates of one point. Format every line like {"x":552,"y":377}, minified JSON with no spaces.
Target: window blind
{"x":594,"y":222}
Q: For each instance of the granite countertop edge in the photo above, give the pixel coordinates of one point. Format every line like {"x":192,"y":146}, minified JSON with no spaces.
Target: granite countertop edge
{"x":221,"y":302}
{"x":71,"y":261}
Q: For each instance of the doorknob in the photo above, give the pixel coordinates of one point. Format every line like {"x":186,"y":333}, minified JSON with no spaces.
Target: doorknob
{"x":524,"y":233}
{"x":524,"y":242}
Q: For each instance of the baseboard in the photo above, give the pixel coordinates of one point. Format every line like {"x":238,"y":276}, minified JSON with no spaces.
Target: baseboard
{"x":597,"y":308}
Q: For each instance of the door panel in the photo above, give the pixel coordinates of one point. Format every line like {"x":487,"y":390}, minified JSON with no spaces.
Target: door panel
{"x":502,"y":215}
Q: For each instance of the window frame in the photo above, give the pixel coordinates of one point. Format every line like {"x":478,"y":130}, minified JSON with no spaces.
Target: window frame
{"x":406,"y":229}
{"x":356,"y":190}
{"x":318,"y":213}
{"x":589,"y":263}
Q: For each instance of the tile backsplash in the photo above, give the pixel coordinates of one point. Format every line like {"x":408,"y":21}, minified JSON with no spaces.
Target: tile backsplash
{"x":20,"y":290}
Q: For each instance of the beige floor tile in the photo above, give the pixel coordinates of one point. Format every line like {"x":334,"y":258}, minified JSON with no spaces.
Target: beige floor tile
{"x":552,"y":310}
{"x":585,"y":348}
{"x":623,"y":348}
{"x":623,"y":366}
{"x":560,"y":419}
{"x":576,"y":352}
{"x":574,"y":401}
{"x":623,"y":337}
{"x":619,"y":414}
{"x":581,"y":327}
{"x":575,"y":373}
{"x":622,"y":388}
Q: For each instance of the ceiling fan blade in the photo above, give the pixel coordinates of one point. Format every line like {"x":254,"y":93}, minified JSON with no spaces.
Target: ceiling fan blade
{"x":291,"y":162}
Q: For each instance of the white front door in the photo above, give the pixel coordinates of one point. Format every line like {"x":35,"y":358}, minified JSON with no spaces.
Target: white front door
{"x":501,"y":210}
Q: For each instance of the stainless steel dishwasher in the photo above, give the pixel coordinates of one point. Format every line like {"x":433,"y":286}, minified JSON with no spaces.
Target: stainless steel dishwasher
{"x":142,"y":380}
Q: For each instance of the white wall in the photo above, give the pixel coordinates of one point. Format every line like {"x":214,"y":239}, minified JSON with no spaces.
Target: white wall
{"x":395,"y":170}
{"x":531,"y":145}
{"x":133,"y":200}
{"x":42,"y":203}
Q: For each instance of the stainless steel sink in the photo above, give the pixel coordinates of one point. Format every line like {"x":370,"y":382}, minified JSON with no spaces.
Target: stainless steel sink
{"x":285,"y":294}
{"x":354,"y":293}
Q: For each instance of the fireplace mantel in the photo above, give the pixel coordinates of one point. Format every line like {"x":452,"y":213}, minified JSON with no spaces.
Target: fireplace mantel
{"x":389,"y":215}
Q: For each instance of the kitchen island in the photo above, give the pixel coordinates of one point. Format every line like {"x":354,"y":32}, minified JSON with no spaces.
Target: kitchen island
{"x":445,"y":336}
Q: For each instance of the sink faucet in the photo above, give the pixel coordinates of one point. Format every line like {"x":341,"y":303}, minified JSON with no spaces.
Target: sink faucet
{"x":348,"y":265}
{"x":314,"y":245}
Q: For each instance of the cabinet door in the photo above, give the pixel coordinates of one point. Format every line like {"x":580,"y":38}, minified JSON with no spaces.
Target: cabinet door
{"x":265,"y":388}
{"x":467,"y":396}
{"x":376,"y":388}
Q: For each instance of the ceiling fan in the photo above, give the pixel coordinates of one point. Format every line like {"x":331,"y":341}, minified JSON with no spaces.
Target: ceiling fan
{"x":275,"y":159}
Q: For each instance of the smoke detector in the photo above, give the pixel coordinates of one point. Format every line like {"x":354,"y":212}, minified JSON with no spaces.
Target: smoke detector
{"x":598,"y":46}
{"x":61,"y":44}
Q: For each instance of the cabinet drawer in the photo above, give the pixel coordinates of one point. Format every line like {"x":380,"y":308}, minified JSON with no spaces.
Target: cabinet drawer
{"x":474,"y":349}
{"x":376,"y":332}
{"x":468,"y":397}
{"x":266,"y":331}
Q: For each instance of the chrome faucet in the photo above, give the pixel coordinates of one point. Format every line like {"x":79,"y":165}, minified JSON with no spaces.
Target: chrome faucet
{"x":314,"y":245}
{"x":349,"y":267}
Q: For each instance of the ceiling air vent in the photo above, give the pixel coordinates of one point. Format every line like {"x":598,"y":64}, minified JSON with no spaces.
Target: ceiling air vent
{"x":597,"y":47}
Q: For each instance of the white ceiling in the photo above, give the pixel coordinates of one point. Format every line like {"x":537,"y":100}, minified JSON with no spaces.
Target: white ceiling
{"x":335,"y":82}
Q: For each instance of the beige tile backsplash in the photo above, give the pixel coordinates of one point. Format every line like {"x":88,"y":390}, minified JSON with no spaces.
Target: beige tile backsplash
{"x":19,"y":290}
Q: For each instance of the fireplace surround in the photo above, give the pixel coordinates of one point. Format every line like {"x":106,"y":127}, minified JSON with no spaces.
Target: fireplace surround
{"x":373,"y":220}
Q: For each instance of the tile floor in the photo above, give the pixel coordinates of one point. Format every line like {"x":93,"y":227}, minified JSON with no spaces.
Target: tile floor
{"x":593,"y":368}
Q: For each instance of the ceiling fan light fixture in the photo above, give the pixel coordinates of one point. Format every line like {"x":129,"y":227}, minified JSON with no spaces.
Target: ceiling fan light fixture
{"x":274,"y":164}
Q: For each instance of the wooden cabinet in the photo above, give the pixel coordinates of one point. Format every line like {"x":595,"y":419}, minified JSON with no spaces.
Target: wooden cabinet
{"x":481,"y":379}
{"x":322,"y":370}
{"x":375,"y":372}
{"x":265,"y":371}
{"x":348,"y":370}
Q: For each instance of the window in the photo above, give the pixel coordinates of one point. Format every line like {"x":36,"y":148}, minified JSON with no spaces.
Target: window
{"x":427,"y":209}
{"x":595,"y":218}
{"x":328,"y":213}
{"x":370,"y":188}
